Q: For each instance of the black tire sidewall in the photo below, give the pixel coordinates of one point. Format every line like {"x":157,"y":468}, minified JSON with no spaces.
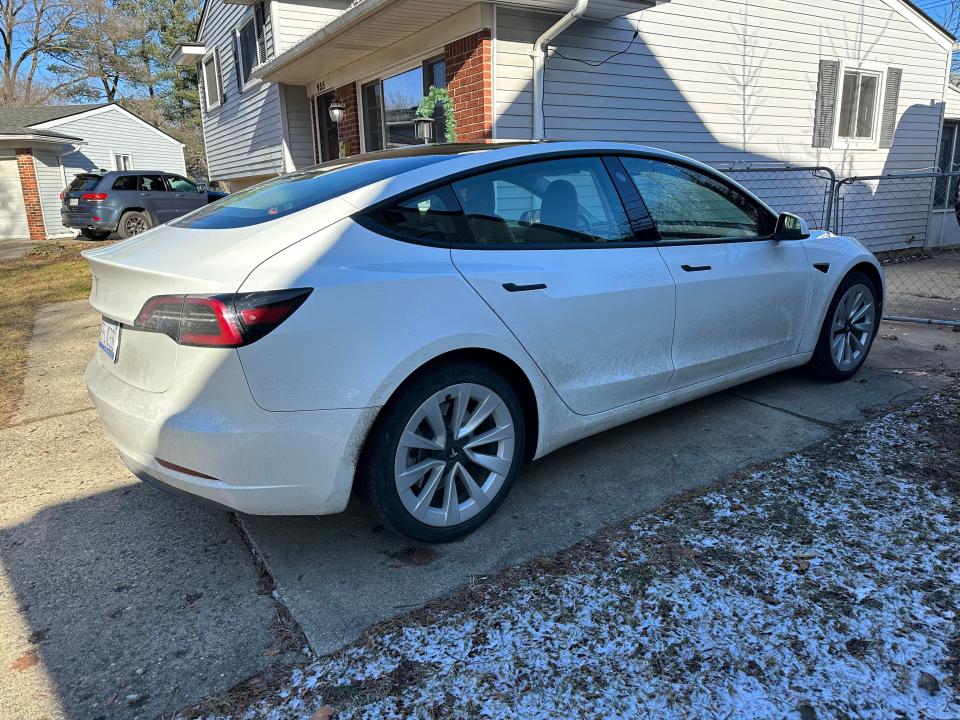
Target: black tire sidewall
{"x":122,"y":227}
{"x":823,"y":362}
{"x":376,"y":470}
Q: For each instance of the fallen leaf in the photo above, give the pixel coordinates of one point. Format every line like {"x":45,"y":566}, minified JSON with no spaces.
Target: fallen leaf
{"x":802,"y":565}
{"x":737,"y":507}
{"x":324,"y":713}
{"x":769,"y":599}
{"x":688,"y":552}
{"x":270,"y":652}
{"x":25,"y":661}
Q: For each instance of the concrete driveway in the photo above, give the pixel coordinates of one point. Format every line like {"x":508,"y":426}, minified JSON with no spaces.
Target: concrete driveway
{"x":120,"y":601}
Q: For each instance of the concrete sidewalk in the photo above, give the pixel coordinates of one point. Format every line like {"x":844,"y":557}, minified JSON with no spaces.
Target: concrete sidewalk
{"x":118,"y":601}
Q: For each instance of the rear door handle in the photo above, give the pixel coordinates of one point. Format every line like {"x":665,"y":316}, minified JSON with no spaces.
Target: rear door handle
{"x":512,"y":287}
{"x":695,"y":268}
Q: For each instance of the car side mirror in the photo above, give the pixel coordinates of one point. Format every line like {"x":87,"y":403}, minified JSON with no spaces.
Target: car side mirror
{"x":791,"y":227}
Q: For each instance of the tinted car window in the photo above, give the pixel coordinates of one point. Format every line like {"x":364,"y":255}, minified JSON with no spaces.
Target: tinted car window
{"x":85,"y":182}
{"x":291,"y":193}
{"x":432,"y":216}
{"x":564,"y":201}
{"x":179,"y":184}
{"x":152,"y":183}
{"x":688,"y":205}
{"x":125,"y":182}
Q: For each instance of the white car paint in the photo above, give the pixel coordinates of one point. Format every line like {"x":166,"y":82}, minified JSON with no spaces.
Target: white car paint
{"x":277,"y":425}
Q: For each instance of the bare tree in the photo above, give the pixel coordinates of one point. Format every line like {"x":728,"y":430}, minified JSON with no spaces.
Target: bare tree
{"x":30,"y":30}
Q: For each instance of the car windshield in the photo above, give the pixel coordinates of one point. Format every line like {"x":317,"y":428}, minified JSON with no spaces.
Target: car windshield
{"x":85,"y":182}
{"x":290,"y":193}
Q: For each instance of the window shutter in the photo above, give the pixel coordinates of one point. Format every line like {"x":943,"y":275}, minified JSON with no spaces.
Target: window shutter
{"x":891,"y":100}
{"x":260,"y":20}
{"x":236,"y":61}
{"x":826,"y":109}
{"x":201,"y":85}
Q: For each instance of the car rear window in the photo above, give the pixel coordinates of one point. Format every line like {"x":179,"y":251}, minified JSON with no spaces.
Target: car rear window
{"x":85,"y":182}
{"x":290,"y":193}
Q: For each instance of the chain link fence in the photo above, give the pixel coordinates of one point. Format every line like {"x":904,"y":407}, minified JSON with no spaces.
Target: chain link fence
{"x":906,"y":219}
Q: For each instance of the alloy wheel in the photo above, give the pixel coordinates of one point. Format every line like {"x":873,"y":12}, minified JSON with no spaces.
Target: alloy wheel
{"x":454,"y":455}
{"x":135,"y":225}
{"x":854,"y":322}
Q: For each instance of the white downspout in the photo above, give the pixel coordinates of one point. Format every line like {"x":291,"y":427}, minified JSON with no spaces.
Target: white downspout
{"x":539,"y":53}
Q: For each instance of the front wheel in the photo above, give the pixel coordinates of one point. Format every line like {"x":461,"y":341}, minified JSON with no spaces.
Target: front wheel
{"x":848,"y":330}
{"x":444,"y":453}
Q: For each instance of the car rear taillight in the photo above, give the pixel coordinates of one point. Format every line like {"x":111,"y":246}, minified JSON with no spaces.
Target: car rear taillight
{"x":219,"y":320}
{"x":95,"y":197}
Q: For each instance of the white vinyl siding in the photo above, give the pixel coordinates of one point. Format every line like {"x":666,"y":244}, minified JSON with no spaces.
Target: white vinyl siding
{"x":725,"y":81}
{"x":296,"y":19}
{"x":106,"y":134}
{"x":244,"y":135}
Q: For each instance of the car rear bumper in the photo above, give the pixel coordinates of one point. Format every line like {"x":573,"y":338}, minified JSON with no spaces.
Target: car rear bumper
{"x":85,"y":220}
{"x":229,"y":451}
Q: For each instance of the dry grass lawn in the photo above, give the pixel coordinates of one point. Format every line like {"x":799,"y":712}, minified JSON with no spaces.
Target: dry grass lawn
{"x":53,"y":274}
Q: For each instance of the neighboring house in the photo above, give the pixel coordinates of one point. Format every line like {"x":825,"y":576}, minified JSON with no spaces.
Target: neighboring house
{"x":856,"y":85}
{"x":41,"y":149}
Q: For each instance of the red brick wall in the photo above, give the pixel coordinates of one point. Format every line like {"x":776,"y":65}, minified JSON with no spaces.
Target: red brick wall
{"x":31,"y":194}
{"x":349,"y":128}
{"x":470,"y":84}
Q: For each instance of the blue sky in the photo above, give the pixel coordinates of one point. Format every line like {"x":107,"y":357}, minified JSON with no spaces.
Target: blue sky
{"x":937,"y":9}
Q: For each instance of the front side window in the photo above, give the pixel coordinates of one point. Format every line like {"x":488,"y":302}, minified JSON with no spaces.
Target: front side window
{"x":858,"y":105}
{"x":180,"y":184}
{"x":688,"y":205}
{"x":152,"y":183}
{"x":554,"y":202}
{"x":432,"y":217}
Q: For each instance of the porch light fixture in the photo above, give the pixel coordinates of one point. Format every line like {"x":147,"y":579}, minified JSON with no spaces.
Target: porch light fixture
{"x":424,"y":128}
{"x":336,"y":112}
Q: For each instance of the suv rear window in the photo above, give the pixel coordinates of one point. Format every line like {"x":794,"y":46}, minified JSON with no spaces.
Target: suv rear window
{"x":291,"y":193}
{"x":85,"y":182}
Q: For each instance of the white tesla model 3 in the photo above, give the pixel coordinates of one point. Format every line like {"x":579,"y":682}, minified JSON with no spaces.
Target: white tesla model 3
{"x":418,"y":323}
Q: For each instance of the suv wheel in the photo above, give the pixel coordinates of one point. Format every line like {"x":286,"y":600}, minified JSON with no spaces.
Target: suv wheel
{"x":133,"y":223}
{"x":95,"y":234}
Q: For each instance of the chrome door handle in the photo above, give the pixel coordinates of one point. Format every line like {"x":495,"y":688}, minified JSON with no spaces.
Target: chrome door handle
{"x":695,"y":268}
{"x":512,"y":287}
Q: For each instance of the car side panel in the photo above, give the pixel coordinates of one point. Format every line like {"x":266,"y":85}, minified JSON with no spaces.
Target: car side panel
{"x":840,"y":254}
{"x":325,"y":355}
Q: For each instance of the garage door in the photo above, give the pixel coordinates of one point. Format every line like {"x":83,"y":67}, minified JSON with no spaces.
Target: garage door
{"x":13,"y":216}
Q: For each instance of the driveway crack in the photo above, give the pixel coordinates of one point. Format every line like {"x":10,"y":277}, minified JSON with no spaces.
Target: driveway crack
{"x":817,"y":421}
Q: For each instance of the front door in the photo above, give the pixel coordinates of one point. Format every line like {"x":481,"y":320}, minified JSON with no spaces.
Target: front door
{"x":550,"y":253}
{"x":328,"y":140}
{"x":741,"y":296}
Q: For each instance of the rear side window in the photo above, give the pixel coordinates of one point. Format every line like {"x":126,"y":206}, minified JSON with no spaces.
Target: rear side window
{"x":152,"y":183}
{"x":569,"y":201}
{"x":125,"y":182}
{"x":294,"y":192}
{"x":431,"y":217}
{"x":85,"y":182}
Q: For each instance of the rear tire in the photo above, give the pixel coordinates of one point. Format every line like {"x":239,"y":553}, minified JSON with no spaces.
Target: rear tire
{"x":133,"y":223}
{"x":95,"y":234}
{"x":848,"y":329}
{"x":444,"y":453}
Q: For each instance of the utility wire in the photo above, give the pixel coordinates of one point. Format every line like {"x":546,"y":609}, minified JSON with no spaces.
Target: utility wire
{"x":590,"y":63}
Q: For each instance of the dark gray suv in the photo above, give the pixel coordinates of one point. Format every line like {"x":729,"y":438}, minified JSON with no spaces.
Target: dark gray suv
{"x":129,"y":201}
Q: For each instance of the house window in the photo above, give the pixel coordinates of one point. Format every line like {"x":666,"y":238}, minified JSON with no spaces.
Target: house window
{"x":945,"y":192}
{"x":249,"y":46}
{"x":212,"y":90}
{"x":858,"y":105}
{"x":122,"y":161}
{"x":390,"y":105}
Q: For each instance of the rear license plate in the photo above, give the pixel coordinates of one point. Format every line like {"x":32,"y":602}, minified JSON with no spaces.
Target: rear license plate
{"x":74,"y":201}
{"x":110,"y":338}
